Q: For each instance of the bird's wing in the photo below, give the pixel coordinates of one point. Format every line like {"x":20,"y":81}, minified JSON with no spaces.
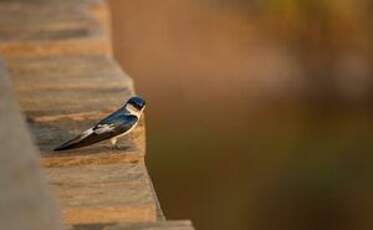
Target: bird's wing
{"x":115,"y":124}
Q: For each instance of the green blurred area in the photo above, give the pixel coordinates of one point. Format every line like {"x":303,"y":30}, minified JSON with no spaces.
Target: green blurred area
{"x":259,"y":112}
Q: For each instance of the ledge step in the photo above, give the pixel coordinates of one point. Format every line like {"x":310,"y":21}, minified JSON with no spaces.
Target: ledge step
{"x":161,"y":225}
{"x":57,"y":28}
{"x":165,"y":225}
{"x":103,"y":193}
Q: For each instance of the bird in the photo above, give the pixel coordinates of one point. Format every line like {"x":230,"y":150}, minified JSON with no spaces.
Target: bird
{"x":117,"y":124}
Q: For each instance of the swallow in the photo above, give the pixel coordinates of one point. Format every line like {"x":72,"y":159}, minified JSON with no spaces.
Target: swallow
{"x":117,"y":124}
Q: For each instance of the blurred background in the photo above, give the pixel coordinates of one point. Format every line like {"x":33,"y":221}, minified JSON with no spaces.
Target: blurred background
{"x":259,"y":112}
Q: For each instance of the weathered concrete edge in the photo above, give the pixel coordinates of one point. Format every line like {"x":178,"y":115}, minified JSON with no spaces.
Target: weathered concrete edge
{"x":96,"y":8}
{"x":160,"y":214}
{"x":25,"y":201}
{"x":171,"y":225}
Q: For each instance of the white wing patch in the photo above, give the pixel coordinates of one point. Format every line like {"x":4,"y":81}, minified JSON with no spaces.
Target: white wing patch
{"x":82,"y":136}
{"x":86,"y":133}
{"x":99,"y":129}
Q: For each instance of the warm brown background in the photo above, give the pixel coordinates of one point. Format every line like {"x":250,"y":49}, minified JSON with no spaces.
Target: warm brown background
{"x":258,"y":112}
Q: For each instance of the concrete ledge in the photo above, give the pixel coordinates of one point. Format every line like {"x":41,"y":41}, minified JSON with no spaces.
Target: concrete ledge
{"x":166,"y":225}
{"x":24,"y":202}
{"x":104,"y":193}
{"x":56,"y":28}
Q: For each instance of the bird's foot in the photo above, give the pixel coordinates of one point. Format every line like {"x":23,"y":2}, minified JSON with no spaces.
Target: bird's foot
{"x":115,"y":147}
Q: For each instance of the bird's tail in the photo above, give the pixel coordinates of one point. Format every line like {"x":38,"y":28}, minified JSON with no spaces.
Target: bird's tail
{"x":69,"y":145}
{"x":65,"y":146}
{"x":81,"y":141}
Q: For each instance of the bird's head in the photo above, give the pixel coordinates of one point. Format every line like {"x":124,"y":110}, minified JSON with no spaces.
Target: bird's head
{"x":135,"y":105}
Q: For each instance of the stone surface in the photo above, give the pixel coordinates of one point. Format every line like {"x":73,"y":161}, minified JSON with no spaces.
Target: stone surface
{"x":58,"y":28}
{"x":60,"y":86}
{"x":24,"y":201}
{"x":161,"y":225}
{"x":97,"y":8}
{"x":103,"y":193}
{"x":160,"y":214}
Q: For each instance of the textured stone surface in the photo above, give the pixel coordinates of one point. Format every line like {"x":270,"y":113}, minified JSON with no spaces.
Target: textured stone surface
{"x":97,"y":8}
{"x":103,"y":193}
{"x":24,"y":201}
{"x":57,"y":28}
{"x":161,"y":225}
{"x":59,"y":86}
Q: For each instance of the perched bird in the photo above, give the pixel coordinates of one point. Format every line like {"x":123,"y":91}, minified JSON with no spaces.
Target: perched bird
{"x":117,"y":124}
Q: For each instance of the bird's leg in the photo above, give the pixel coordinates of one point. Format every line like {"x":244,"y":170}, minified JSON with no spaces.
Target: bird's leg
{"x":114,"y":143}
